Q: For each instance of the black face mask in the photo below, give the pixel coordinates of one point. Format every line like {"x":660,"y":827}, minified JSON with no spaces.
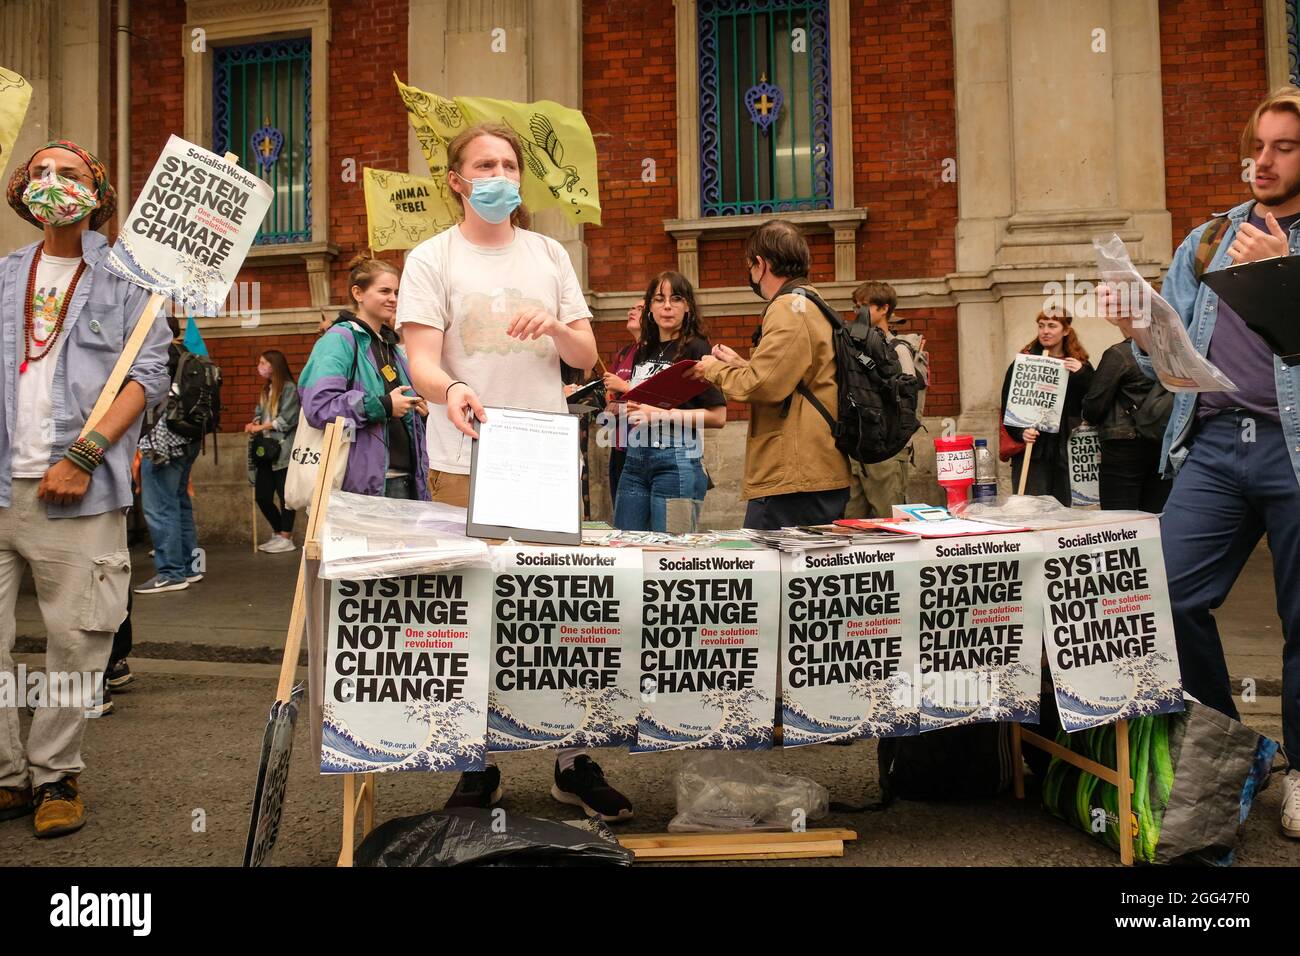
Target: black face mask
{"x":758,"y":290}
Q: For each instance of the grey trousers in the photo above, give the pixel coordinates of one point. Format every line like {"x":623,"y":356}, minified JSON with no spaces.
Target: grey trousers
{"x":82,"y":571}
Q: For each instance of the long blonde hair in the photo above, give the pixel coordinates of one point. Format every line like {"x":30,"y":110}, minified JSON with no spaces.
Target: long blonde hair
{"x":456,"y":152}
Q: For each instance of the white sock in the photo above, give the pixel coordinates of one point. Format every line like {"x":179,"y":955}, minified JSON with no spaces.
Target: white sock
{"x":566,"y":757}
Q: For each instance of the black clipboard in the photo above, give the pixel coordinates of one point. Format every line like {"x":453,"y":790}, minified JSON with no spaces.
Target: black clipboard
{"x":475,"y":529}
{"x":1265,"y":294}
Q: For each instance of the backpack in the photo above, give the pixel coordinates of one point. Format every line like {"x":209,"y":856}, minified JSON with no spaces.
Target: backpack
{"x":876,"y":401}
{"x":957,"y":763}
{"x":193,"y":406}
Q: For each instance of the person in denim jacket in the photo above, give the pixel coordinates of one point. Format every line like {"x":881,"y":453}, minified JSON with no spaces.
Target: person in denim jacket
{"x":1236,"y":454}
{"x":64,"y":321}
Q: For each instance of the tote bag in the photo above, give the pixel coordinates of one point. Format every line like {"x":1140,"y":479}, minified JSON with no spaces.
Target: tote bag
{"x":304,"y":462}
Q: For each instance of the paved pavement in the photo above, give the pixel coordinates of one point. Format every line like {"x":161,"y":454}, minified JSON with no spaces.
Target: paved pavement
{"x":170,"y":774}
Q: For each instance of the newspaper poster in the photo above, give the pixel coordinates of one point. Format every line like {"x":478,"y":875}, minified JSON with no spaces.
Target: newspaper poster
{"x":406,"y":673}
{"x":566,"y":629}
{"x":848,"y":643}
{"x":1108,"y":630}
{"x":1177,"y":364}
{"x":980,"y":630}
{"x":1037,"y":395}
{"x":188,"y":233}
{"x":710,"y":625}
{"x":1085,"y":467}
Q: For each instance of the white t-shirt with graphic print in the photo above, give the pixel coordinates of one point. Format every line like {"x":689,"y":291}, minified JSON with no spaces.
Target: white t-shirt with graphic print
{"x":472,"y":293}
{"x":33,"y":429}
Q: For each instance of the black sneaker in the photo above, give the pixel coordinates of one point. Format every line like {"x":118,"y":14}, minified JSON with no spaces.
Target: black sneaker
{"x":119,"y":675}
{"x":583,"y":785}
{"x":476,"y":788}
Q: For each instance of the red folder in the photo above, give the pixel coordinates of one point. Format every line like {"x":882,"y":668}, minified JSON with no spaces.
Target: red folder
{"x":669,"y":388}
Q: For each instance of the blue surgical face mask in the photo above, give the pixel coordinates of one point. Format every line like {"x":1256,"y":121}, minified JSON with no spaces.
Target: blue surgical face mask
{"x":493,"y":197}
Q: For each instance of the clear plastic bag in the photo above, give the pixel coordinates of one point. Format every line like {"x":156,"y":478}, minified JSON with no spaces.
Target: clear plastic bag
{"x":366,"y":536}
{"x":1176,"y":361}
{"x":1038,"y":512}
{"x":730,"y":791}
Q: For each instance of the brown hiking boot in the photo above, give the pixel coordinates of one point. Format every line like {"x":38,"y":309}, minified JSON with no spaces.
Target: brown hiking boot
{"x":59,"y":809}
{"x":15,"y":802}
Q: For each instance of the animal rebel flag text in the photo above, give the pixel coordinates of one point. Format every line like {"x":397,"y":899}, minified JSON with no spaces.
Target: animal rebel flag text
{"x":188,"y":233}
{"x":980,"y":630}
{"x":709,"y":631}
{"x":849,"y":643}
{"x":1037,"y":395}
{"x":1108,"y":631}
{"x":566,"y":627}
{"x":406,"y":673}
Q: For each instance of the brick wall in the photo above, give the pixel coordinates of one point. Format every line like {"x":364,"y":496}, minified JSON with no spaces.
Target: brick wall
{"x":1213,"y":75}
{"x":629,"y":97}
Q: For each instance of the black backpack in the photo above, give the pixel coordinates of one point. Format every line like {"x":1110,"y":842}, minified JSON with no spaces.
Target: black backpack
{"x":193,"y":407}
{"x":877,"y":401}
{"x":958,"y":763}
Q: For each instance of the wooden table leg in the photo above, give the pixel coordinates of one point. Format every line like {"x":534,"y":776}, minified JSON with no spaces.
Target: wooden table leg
{"x":1123,"y":772}
{"x":349,"y":819}
{"x":1017,"y":762}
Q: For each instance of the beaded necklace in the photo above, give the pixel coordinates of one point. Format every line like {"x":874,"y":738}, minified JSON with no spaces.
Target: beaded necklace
{"x":29,"y":313}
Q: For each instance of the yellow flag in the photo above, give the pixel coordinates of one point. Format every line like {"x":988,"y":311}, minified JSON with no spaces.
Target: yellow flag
{"x":559,"y":151}
{"x":15,"y":94}
{"x":403,"y":210}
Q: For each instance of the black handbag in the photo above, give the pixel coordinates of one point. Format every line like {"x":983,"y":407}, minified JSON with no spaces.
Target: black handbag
{"x":264,"y":450}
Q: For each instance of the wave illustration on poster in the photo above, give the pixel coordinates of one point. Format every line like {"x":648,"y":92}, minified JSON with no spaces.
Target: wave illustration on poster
{"x":193,"y":291}
{"x":447,"y":745}
{"x":737,"y":727}
{"x":1152,"y":694}
{"x":600,"y":725}
{"x":886,"y":715}
{"x":1007,"y":701}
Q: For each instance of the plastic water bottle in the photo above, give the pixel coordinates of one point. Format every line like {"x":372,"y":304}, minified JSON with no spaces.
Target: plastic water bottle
{"x":986,"y":474}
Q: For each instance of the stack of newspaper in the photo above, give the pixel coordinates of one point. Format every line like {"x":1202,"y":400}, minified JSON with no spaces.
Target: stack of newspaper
{"x":371,"y":537}
{"x":817,"y":537}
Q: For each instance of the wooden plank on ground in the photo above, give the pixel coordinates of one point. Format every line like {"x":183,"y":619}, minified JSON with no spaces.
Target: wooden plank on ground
{"x":635,"y":841}
{"x":743,"y":851}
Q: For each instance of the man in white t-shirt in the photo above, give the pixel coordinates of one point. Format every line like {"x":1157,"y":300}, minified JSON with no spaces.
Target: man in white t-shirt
{"x":487,"y":312}
{"x":64,"y":320}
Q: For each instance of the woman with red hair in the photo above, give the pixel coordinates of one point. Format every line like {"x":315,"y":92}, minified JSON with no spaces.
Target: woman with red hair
{"x":1049,"y":471}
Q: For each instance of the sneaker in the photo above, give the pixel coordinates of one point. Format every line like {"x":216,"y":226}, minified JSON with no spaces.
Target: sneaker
{"x":476,"y":788}
{"x":1291,"y":804}
{"x":16,"y":802}
{"x":268,"y":543}
{"x":59,"y":808}
{"x":194,"y":578}
{"x":281,"y":545}
{"x":104,"y":707}
{"x":119,"y":675}
{"x":158,"y":584}
{"x":583,"y":785}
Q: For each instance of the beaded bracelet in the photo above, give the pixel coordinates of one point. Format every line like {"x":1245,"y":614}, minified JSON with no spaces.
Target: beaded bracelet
{"x":86,"y":454}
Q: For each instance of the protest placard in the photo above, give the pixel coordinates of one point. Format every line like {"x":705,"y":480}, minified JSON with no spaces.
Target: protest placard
{"x":710,"y":625}
{"x":188,"y":233}
{"x":1037,"y":395}
{"x":1108,"y":630}
{"x":1085,"y":467}
{"x":15,"y":95}
{"x":406,"y":673}
{"x":980,"y":630}
{"x":566,"y":627}
{"x":849,"y":643}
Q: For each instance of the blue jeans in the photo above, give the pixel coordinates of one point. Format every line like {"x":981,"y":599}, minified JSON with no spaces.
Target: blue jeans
{"x":165,"y":495}
{"x":651,"y":478}
{"x":1229,"y":492}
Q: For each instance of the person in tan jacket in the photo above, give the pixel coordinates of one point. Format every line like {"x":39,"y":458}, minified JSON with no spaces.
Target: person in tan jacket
{"x":794,"y":474}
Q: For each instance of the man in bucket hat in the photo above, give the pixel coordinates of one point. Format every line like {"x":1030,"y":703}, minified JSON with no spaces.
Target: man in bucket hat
{"x":64,"y":320}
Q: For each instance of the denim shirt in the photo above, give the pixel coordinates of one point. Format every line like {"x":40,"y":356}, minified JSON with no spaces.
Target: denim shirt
{"x":99,"y":321}
{"x":1198,"y":305}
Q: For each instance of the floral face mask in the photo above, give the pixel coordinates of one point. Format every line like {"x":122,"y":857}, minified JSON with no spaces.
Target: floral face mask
{"x":58,"y":201}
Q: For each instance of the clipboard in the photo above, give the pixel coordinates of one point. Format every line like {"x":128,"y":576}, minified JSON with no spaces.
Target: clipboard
{"x":485,"y":529}
{"x":667,"y":389}
{"x":1264,"y":294}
